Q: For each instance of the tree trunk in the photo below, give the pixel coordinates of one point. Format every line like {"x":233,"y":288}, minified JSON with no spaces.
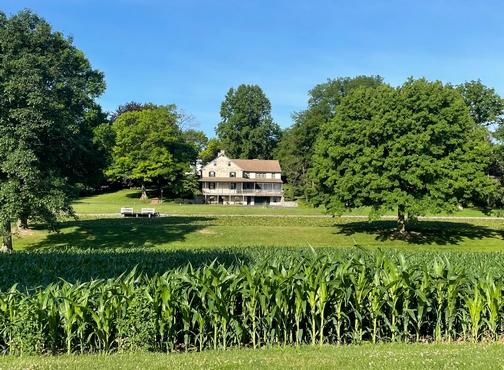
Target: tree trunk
{"x":159,"y":190}
{"x":6,"y":237}
{"x":401,"y":223}
{"x":22,"y":222}
{"x":144,"y":192}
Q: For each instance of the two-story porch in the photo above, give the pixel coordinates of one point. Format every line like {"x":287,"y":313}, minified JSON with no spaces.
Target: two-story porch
{"x":241,"y":191}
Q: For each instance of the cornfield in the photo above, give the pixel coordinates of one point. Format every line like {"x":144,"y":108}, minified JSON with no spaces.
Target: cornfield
{"x":306,"y":298}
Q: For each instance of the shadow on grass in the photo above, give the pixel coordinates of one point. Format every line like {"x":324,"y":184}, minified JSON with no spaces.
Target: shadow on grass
{"x":151,"y":193}
{"x":130,"y":232}
{"x":422,"y":232}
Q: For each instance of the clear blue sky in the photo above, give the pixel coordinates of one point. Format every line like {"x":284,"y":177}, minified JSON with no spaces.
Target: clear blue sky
{"x":190,"y":52}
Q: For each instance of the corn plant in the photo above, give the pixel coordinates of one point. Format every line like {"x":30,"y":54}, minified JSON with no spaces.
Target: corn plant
{"x":494,"y":302}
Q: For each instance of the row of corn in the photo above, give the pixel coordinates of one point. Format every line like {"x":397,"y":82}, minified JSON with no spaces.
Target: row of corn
{"x":313,"y":299}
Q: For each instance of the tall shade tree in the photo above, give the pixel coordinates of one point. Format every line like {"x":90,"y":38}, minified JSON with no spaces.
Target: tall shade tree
{"x":46,"y":87}
{"x":247,"y":129}
{"x":150,"y":147}
{"x":413,"y":148}
{"x":296,"y":147}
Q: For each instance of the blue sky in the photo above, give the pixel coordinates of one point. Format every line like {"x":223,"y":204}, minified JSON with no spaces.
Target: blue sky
{"x":190,"y":52}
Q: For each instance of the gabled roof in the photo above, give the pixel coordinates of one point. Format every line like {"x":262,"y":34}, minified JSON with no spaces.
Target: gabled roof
{"x":258,"y":165}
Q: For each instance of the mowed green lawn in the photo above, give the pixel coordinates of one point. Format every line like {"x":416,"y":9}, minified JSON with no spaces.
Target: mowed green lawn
{"x":381,"y":356}
{"x":202,"y":231}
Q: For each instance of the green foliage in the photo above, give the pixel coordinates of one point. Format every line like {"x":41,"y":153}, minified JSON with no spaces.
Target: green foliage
{"x":47,"y":88}
{"x":486,"y":107}
{"x":247,"y":130}
{"x":413,"y":147}
{"x":311,"y":297}
{"x":151,"y":147}
{"x":210,"y":152}
{"x":296,"y":148}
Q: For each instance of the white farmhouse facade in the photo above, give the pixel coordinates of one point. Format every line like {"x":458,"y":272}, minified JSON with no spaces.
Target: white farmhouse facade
{"x":242,"y":181}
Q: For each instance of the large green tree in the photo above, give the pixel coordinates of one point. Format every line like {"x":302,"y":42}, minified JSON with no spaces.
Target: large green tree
{"x":47,"y":86}
{"x":296,"y":147}
{"x":150,"y":147}
{"x":486,"y":108}
{"x":247,"y":130}
{"x":413,"y":148}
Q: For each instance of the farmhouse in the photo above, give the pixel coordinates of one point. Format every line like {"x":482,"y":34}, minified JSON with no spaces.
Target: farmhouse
{"x":242,"y":181}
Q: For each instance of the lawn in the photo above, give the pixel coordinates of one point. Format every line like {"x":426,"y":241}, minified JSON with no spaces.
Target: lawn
{"x":382,"y":356}
{"x":111,"y":202}
{"x":210,"y":231}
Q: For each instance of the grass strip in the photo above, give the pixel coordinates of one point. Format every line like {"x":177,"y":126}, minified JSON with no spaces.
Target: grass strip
{"x":381,"y":356}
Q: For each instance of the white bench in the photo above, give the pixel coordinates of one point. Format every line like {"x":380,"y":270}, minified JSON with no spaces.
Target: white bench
{"x":125,"y":211}
{"x":148,"y":211}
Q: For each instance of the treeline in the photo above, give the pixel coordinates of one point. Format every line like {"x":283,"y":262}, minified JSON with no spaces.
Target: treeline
{"x":423,"y":146}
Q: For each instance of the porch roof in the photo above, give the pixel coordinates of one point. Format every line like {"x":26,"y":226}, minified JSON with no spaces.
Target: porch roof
{"x":236,"y":179}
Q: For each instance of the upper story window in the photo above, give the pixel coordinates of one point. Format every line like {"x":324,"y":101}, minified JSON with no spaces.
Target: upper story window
{"x":215,"y":163}
{"x":211,"y":185}
{"x":273,"y":175}
{"x":245,"y":175}
{"x":211,"y":174}
{"x":229,"y":163}
{"x":232,"y":185}
{"x":232,"y":174}
{"x":260,"y":175}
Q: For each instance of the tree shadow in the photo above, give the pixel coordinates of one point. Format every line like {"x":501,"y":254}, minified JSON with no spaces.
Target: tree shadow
{"x":129,"y":232}
{"x":43,"y":267}
{"x":422,"y":232}
{"x":151,"y":193}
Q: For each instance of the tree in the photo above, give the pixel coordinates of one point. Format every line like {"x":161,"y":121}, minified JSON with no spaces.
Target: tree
{"x":486,"y":107}
{"x":86,"y":156}
{"x":151,"y":147}
{"x":295,"y":150}
{"x":46,"y":87}
{"x":196,"y":138}
{"x":211,"y":150}
{"x":132,"y":106}
{"x":247,"y":130}
{"x":414,"y":148}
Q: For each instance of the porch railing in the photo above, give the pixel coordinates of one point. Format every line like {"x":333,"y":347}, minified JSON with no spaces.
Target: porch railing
{"x":240,"y":192}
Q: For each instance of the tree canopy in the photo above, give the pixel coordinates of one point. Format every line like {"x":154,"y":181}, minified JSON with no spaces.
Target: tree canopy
{"x":47,"y":86}
{"x":151,"y":147}
{"x":413,"y":148}
{"x":247,"y":130}
{"x":295,"y":150}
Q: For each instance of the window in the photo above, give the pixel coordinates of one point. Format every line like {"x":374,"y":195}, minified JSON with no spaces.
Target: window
{"x":232,"y":185}
{"x":273,"y":175}
{"x":260,"y":175}
{"x":232,"y":174}
{"x":211,"y":185}
{"x":215,"y":163}
{"x":229,"y":163}
{"x":245,"y":175}
{"x":211,"y":174}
